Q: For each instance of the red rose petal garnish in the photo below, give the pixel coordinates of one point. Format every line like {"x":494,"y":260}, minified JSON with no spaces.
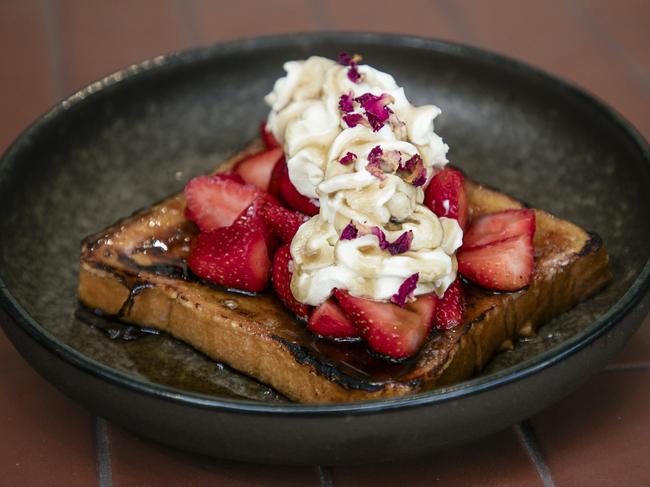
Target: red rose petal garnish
{"x":348,"y":158}
{"x":345,"y":103}
{"x":350,"y":232}
{"x":344,"y":59}
{"x":374,"y":162}
{"x":416,"y":173}
{"x":379,"y":233}
{"x":376,"y":110}
{"x":353,"y":73}
{"x":354,"y":119}
{"x":402,"y":244}
{"x":405,"y":291}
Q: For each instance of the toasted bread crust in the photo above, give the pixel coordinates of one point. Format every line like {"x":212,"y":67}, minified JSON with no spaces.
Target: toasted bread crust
{"x":124,"y":275}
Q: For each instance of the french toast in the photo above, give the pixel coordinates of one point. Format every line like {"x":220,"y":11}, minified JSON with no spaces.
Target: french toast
{"x":136,"y":271}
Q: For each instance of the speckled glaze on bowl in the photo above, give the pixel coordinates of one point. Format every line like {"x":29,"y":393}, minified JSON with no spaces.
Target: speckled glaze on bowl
{"x":136,"y":136}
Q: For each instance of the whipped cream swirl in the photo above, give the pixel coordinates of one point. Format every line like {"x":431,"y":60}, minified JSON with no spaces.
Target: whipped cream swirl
{"x":335,"y":161}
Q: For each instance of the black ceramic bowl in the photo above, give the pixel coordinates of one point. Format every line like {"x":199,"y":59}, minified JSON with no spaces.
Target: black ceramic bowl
{"x":136,"y":136}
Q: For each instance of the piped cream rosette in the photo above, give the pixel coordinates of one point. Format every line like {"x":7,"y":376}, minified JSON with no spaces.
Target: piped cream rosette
{"x":379,"y":204}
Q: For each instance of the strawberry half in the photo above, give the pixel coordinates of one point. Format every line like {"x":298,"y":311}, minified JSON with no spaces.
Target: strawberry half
{"x":254,"y":215}
{"x":216,"y":201}
{"x":256,"y":169}
{"x":397,"y":333}
{"x":283,"y":223}
{"x":234,"y":257}
{"x":449,"y":309}
{"x":503,"y":225}
{"x":282,"y":282}
{"x":328,"y":320}
{"x":506,"y":265}
{"x":282,"y":187}
{"x":446,"y":196}
{"x":269,"y":140}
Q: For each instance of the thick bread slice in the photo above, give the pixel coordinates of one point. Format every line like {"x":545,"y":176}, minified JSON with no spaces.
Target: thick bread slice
{"x":135,"y":270}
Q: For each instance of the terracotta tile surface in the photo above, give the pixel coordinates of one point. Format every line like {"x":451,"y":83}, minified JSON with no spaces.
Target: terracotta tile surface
{"x":422,"y":17}
{"x":598,"y":436}
{"x":213,"y":21}
{"x":555,"y":36}
{"x":625,"y":24}
{"x":637,"y":350}
{"x":98,"y":38}
{"x":140,"y":462}
{"x":25,"y":78}
{"x":498,"y":460}
{"x":46,"y":439}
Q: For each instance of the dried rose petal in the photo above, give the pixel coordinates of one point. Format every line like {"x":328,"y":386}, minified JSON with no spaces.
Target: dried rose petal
{"x":375,"y":155}
{"x":344,"y":59}
{"x":348,"y":158}
{"x":416,"y":173}
{"x":353,"y":73}
{"x":381,"y":236}
{"x":375,"y":161}
{"x":354,"y":119}
{"x":405,"y":290}
{"x":350,"y":232}
{"x":376,"y":110}
{"x":402,"y":244}
{"x":345,"y":103}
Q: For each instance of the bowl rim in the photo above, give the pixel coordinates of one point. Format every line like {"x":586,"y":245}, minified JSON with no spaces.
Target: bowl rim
{"x":178,"y":60}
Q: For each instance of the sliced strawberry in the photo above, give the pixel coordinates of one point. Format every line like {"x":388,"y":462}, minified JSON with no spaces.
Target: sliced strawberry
{"x":281,"y":186}
{"x":235,"y":257}
{"x":267,"y":137}
{"x":446,"y":196}
{"x":216,"y":201}
{"x":254,"y":214}
{"x":449,"y":309}
{"x":282,"y":282}
{"x":283,"y":223}
{"x":388,"y":329}
{"x":256,"y":169}
{"x":328,"y":320}
{"x":506,"y":265}
{"x":502,"y":225}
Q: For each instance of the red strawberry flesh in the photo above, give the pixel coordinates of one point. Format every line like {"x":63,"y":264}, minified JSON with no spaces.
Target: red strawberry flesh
{"x":506,"y":265}
{"x":281,"y":186}
{"x":234,"y":257}
{"x":446,"y":196}
{"x":283,"y":223}
{"x":449,"y":309}
{"x":282,"y":282}
{"x":216,"y":201}
{"x":391,"y":331}
{"x":494,"y":227}
{"x":257,"y":168}
{"x":328,"y":320}
{"x":267,"y":136}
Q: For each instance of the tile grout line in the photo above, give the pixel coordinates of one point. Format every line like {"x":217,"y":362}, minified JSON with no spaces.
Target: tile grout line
{"x":53,"y":25}
{"x":526,"y":436}
{"x":626,"y":368}
{"x":583,"y":15}
{"x":457,"y":20}
{"x":324,"y":476}
{"x":104,"y":470}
